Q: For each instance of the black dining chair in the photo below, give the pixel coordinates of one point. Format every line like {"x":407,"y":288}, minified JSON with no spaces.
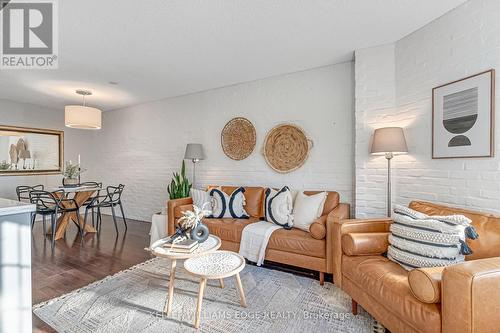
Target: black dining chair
{"x":23,"y":194}
{"x":89,"y":200}
{"x":110,"y":200}
{"x":54,"y":203}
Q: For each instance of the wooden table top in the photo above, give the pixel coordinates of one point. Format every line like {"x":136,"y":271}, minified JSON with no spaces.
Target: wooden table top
{"x":76,"y":189}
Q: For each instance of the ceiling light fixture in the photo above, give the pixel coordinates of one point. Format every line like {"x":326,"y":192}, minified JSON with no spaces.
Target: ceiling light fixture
{"x":82,"y":116}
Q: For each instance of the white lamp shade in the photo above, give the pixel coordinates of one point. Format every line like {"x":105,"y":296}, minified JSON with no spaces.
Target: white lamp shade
{"x":194,"y":151}
{"x":83,"y":117}
{"x":389,"y":140}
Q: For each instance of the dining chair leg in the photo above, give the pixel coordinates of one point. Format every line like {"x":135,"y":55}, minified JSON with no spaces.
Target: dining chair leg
{"x":98,"y":222}
{"x":79,"y":225}
{"x":123,"y":215}
{"x":85,"y":219}
{"x":114,"y":217}
{"x":33,"y":216}
{"x":93,"y":213}
{"x":53,"y":220}
{"x":43,"y":221}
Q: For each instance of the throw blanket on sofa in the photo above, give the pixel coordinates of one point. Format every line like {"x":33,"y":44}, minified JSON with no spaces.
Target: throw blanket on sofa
{"x":254,"y":239}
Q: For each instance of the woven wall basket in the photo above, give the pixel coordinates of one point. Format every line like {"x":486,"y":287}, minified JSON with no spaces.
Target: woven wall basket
{"x":238,"y":138}
{"x":286,"y":148}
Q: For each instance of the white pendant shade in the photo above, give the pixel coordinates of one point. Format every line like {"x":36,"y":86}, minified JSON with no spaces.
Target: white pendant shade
{"x":83,"y":117}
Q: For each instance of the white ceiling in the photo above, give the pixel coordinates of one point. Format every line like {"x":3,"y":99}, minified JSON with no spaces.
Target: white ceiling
{"x":162,"y":48}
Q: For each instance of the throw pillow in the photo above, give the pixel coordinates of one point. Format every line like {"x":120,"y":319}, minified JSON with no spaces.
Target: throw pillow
{"x":307,"y":209}
{"x":278,"y":207}
{"x":228,"y":206}
{"x":201,"y":199}
{"x":418,"y":240}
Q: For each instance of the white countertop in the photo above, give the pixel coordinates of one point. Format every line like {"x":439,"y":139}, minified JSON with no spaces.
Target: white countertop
{"x":10,"y":207}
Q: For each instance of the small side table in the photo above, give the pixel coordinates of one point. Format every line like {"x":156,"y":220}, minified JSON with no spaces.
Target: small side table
{"x":212,"y":244}
{"x":212,"y":266}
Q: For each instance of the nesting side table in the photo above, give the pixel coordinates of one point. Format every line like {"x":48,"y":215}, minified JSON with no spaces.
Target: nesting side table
{"x":216,"y":265}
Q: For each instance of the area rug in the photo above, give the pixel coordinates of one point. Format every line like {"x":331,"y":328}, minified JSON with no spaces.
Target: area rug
{"x":133,"y":300}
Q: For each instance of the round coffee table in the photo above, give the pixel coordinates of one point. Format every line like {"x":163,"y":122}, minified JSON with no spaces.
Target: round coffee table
{"x":212,"y":244}
{"x":215,"y":265}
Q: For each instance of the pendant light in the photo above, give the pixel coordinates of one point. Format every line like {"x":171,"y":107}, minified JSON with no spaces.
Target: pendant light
{"x":82,"y":116}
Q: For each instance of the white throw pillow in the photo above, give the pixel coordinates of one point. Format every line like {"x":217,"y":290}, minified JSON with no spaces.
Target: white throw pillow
{"x":201,"y":199}
{"x":228,"y":206}
{"x":307,"y":208}
{"x":278,"y":207}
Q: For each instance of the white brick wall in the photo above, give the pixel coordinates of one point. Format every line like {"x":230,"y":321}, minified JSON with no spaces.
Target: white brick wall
{"x":141,"y":146}
{"x":463,"y":42}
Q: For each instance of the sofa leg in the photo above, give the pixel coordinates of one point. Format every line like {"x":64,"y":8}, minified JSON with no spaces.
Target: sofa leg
{"x":354,"y":305}
{"x":321,"y":278}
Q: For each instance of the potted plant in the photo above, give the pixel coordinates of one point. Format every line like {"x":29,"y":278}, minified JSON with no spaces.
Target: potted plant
{"x":179,"y":186}
{"x":4,"y":166}
{"x":71,"y":174}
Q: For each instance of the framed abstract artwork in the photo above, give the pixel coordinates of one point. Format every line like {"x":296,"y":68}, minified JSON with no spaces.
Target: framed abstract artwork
{"x":463,"y":117}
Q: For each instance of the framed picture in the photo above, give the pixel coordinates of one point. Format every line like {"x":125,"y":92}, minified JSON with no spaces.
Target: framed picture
{"x":463,"y":117}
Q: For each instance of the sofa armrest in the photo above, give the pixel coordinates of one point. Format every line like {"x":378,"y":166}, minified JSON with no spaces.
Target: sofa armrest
{"x":341,"y":227}
{"x":365,"y":243}
{"x":171,"y":205}
{"x":341,"y":212}
{"x":471,"y":296}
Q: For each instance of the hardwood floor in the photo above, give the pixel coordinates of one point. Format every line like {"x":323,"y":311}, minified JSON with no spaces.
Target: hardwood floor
{"x":74,"y":264}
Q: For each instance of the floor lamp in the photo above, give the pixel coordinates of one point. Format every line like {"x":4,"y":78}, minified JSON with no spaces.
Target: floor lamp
{"x":389,"y":141}
{"x":194,"y":152}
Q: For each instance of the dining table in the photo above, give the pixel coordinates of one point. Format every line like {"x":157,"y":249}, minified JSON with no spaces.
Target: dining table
{"x":80,"y":194}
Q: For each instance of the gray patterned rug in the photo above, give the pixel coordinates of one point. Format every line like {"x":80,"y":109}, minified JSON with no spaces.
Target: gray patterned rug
{"x":132,"y":301}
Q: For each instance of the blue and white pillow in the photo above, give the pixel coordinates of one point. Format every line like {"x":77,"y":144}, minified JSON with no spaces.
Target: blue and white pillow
{"x":419,"y":240}
{"x":278,"y":207}
{"x":201,"y":199}
{"x":228,"y":206}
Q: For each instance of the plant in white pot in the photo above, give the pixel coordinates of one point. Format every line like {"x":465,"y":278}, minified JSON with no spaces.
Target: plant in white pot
{"x":72,"y":174}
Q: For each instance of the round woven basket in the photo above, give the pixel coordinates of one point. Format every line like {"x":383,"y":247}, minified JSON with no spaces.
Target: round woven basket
{"x":286,"y":148}
{"x":238,"y":138}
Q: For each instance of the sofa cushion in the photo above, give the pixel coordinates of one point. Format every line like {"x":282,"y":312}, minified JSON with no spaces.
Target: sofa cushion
{"x":228,"y":229}
{"x":332,"y":200}
{"x":254,"y":199}
{"x":297,"y":241}
{"x":486,"y":225}
{"x":425,"y":283}
{"x":387,"y":282}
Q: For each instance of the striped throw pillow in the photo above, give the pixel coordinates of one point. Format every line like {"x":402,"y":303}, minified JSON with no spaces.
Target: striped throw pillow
{"x":419,"y":240}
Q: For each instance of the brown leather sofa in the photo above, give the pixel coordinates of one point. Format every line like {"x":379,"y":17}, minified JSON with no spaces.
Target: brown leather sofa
{"x":312,"y":250}
{"x":459,"y":298}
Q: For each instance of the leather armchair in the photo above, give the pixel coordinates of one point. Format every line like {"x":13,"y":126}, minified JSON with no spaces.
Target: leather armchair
{"x":460,"y":298}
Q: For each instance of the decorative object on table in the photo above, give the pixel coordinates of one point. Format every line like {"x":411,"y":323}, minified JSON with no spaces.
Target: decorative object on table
{"x":4,"y":165}
{"x":238,"y":138}
{"x":41,"y":150}
{"x":419,"y":240}
{"x":179,"y":186}
{"x":307,"y":208}
{"x":71,"y":174}
{"x":286,"y":148}
{"x":82,"y":116}
{"x":195,"y":153}
{"x":228,"y":205}
{"x":278,"y":207}
{"x":389,"y":141}
{"x":462,"y":117}
{"x":190,"y":226}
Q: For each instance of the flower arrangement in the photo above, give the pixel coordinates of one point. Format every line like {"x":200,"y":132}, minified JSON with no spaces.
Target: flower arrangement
{"x":190,"y":226}
{"x":72,"y":171}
